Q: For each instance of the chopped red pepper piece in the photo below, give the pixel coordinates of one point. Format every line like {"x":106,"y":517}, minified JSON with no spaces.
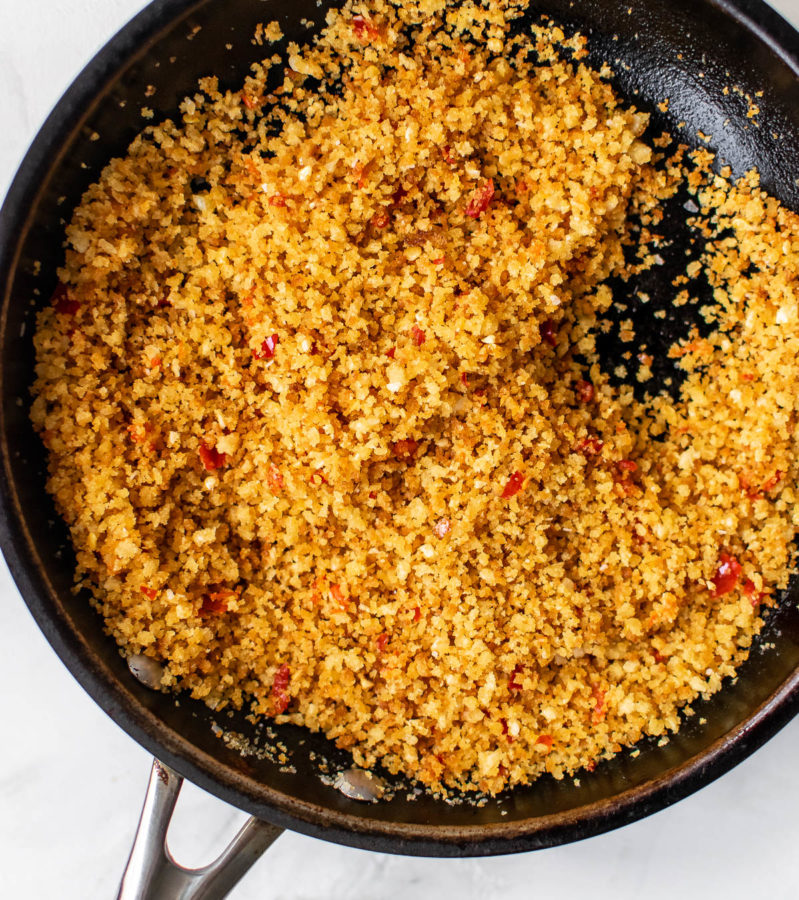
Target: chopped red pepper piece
{"x":513,"y":486}
{"x":274,"y":479}
{"x":727,"y":575}
{"x":382,"y":641}
{"x":545,"y":740}
{"x":417,"y":614}
{"x":548,"y":332}
{"x":480,"y":200}
{"x":364,"y":29}
{"x":600,"y":708}
{"x":442,"y":527}
{"x":211,"y":458}
{"x":405,"y":449}
{"x":280,"y":694}
{"x":418,"y":335}
{"x":446,"y":153}
{"x":373,"y":495}
{"x":267,"y":349}
{"x":318,"y":477}
{"x":590,"y":446}
{"x":149,"y":592}
{"x":391,"y":353}
{"x":773,"y":481}
{"x":216,"y":602}
{"x":464,"y":379}
{"x":755,"y":597}
{"x":585,"y":391}
{"x":513,"y":684}
{"x":63,"y":302}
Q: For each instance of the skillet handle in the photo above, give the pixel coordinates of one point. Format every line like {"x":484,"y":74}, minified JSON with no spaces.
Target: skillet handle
{"x":152,"y":873}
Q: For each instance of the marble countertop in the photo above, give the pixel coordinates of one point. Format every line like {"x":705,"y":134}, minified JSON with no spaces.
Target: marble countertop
{"x":71,"y":782}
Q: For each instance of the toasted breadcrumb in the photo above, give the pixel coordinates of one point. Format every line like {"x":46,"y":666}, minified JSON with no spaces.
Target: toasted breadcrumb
{"x":326,"y":418}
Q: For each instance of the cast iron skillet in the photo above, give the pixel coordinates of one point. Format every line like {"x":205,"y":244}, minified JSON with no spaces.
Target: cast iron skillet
{"x":685,"y":50}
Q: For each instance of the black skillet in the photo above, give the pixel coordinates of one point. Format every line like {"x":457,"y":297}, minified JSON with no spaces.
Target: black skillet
{"x":686,"y":50}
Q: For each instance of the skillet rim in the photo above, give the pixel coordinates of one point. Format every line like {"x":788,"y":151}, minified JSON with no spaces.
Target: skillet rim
{"x":200,"y":767}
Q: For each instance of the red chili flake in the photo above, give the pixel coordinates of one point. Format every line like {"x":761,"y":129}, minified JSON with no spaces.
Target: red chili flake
{"x":585,"y":391}
{"x":659,"y":657}
{"x":447,"y":154}
{"x":481,"y":199}
{"x":163,"y":300}
{"x":590,"y":446}
{"x":249,"y":102}
{"x":417,"y":614}
{"x":548,"y":332}
{"x":149,"y":592}
{"x":505,"y":731}
{"x":380,"y":220}
{"x":359,"y":171}
{"x":364,"y":29}
{"x":755,"y":597}
{"x":280,"y":694}
{"x":545,"y":740}
{"x":405,"y":449}
{"x":138,"y":433}
{"x":590,"y":766}
{"x":391,"y":353}
{"x":627,"y":465}
{"x":268,"y":346}
{"x":442,"y":527}
{"x":599,"y":710}
{"x":438,"y":260}
{"x":513,"y":486}
{"x":216,"y":602}
{"x":746,"y":486}
{"x":373,"y":495}
{"x":63,"y":303}
{"x":747,"y":376}
{"x":320,"y":475}
{"x":211,"y":458}
{"x":727,"y":575}
{"x":276,"y":200}
{"x":337,"y":594}
{"x":274,"y":479}
{"x":773,"y":481}
{"x":465,"y":379}
{"x":382,"y":641}
{"x":513,"y":684}
{"x":418,"y":335}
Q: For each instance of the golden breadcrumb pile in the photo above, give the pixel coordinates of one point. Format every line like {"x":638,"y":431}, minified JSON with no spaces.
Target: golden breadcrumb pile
{"x":327,"y":420}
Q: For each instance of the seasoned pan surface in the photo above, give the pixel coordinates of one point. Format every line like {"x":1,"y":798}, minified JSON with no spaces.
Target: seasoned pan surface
{"x":686,"y":51}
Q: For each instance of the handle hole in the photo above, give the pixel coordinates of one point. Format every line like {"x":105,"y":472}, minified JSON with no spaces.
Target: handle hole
{"x":202,"y":827}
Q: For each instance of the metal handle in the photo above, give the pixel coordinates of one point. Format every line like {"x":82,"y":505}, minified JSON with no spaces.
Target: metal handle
{"x":152,"y":873}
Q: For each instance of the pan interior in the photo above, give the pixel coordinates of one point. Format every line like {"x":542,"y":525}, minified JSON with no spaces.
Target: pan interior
{"x":685,"y":50}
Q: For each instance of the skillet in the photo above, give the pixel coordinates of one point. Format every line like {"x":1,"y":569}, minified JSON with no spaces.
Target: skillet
{"x":686,"y":50}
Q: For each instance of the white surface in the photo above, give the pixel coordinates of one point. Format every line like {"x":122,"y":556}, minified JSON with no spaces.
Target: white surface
{"x":71,"y":782}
